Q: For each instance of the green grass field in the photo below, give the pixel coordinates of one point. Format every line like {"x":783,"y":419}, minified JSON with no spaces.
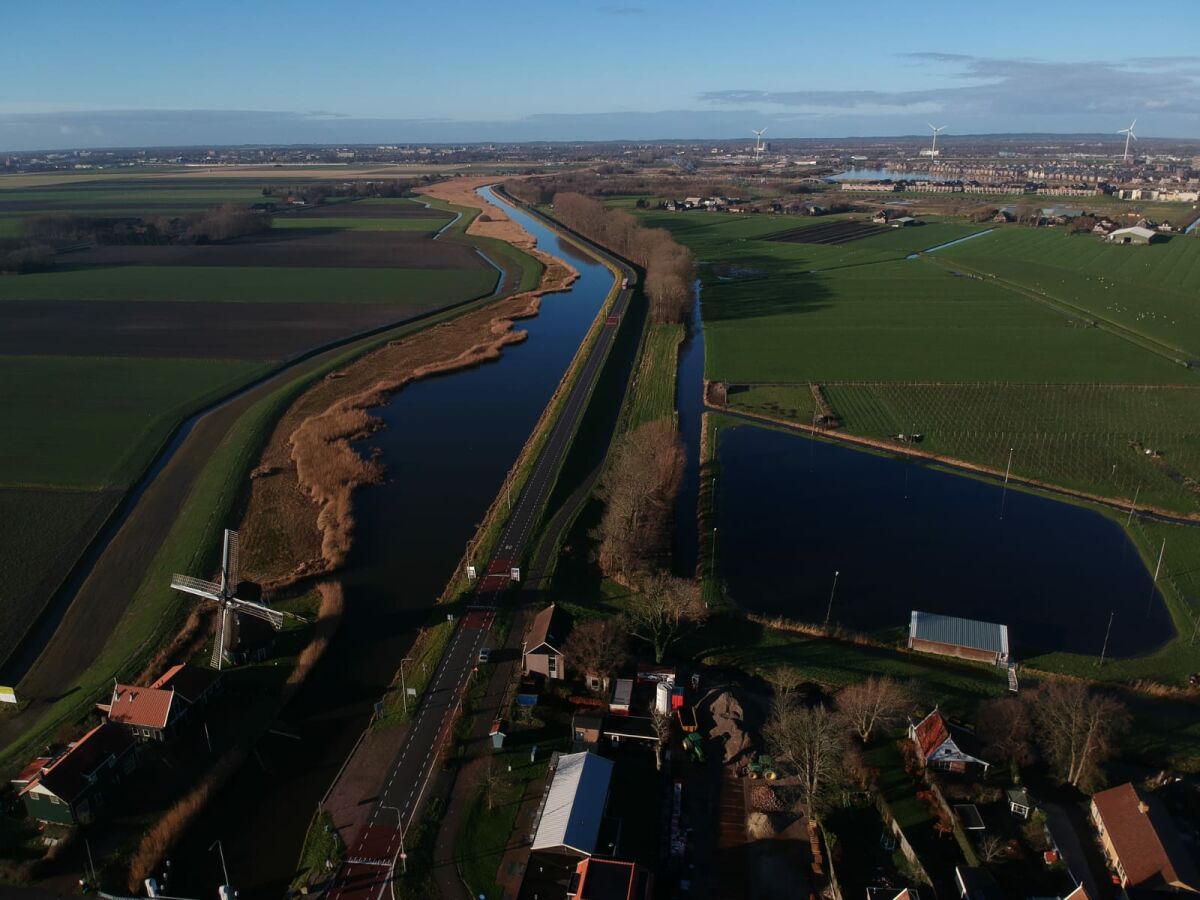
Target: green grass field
{"x":1149,"y":290}
{"x":94,"y":422}
{"x":427,"y":287}
{"x":652,"y":393}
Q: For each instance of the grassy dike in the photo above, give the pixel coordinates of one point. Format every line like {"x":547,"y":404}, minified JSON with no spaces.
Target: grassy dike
{"x":153,"y":615}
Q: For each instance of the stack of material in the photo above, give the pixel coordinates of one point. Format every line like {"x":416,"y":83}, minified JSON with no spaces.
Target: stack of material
{"x":729,"y":724}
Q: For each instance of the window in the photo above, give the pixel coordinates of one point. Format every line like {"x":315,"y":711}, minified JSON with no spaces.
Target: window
{"x":552,"y":665}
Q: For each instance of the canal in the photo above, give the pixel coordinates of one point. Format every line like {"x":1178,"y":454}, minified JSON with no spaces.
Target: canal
{"x":448,"y":443}
{"x":905,"y":536}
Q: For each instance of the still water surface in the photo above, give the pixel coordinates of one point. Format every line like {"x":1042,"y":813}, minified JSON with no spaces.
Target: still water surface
{"x":448,"y":444}
{"x":905,"y":536}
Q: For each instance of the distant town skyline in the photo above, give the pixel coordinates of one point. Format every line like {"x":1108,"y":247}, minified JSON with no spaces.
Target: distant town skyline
{"x":289,"y":74}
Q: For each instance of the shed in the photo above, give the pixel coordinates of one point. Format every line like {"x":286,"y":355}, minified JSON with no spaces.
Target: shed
{"x":586,"y":727}
{"x":622,"y":697}
{"x":573,"y":807}
{"x":1019,"y":802}
{"x":953,"y":636}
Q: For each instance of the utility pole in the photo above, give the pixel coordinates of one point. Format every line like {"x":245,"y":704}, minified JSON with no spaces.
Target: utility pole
{"x":1107,"y":632}
{"x":1157,"y":571}
{"x":1133,"y":505}
{"x":833,"y":590}
{"x":1004,"y":491}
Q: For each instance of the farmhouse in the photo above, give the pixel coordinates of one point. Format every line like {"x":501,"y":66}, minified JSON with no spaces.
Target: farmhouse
{"x":573,"y":807}
{"x":154,"y":713}
{"x":1134,"y":235}
{"x":72,"y":786}
{"x":952,"y":636}
{"x":542,"y":653}
{"x":942,"y":747}
{"x":1141,"y":842}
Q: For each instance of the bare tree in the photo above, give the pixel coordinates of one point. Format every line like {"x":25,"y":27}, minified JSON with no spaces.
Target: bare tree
{"x":493,"y":780}
{"x":1077,"y":729}
{"x":1006,"y":730}
{"x":874,"y":703}
{"x":785,"y":679}
{"x":599,"y":647}
{"x":992,"y":848}
{"x":662,"y":730}
{"x":639,"y":492}
{"x":667,"y":608}
{"x":811,"y":742}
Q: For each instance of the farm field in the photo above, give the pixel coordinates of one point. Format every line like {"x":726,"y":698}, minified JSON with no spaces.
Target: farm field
{"x":102,"y":357}
{"x":1149,"y":290}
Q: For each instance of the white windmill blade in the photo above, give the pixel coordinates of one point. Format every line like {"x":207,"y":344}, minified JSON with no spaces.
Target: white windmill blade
{"x":218,"y":652}
{"x":245,"y":607}
{"x":229,"y":561}
{"x":207,"y":589}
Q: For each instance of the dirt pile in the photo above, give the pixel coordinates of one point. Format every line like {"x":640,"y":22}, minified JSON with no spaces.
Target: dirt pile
{"x":729,"y":721}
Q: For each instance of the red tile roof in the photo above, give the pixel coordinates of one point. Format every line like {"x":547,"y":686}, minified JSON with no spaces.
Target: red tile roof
{"x":1144,"y":839}
{"x":548,"y":627}
{"x":931,"y":732}
{"x":141,"y":707}
{"x":69,"y":775}
{"x":30,"y":771}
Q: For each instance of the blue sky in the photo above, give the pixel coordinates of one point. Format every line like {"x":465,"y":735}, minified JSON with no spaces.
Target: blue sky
{"x":87,"y":74}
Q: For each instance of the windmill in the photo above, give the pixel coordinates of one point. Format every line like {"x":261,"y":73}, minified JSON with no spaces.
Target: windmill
{"x":936,"y":129}
{"x":224,"y":594}
{"x":759,"y":146}
{"x":1129,"y":136}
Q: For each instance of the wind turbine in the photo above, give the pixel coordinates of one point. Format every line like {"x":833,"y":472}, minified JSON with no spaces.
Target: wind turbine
{"x":1129,"y":136}
{"x":224,"y":594}
{"x":759,"y":146}
{"x":937,"y":129}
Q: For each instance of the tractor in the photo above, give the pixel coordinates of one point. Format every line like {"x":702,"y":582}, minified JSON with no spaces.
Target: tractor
{"x":762,"y":766}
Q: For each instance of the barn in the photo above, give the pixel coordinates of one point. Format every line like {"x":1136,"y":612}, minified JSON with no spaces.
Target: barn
{"x":573,"y":805}
{"x":964,"y":638}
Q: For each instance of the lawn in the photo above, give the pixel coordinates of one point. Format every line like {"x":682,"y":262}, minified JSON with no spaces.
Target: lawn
{"x":95,"y":422}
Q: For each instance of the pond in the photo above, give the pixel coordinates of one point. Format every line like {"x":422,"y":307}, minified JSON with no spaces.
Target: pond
{"x":904,"y":536}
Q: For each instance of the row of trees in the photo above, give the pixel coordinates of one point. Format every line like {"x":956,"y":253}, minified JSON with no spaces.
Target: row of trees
{"x":1073,"y":728}
{"x":218,"y":224}
{"x":669,"y":267}
{"x":317,"y":192}
{"x":612,"y":184}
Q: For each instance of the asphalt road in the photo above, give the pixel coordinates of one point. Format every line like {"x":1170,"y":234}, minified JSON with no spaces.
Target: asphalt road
{"x":366,"y":871}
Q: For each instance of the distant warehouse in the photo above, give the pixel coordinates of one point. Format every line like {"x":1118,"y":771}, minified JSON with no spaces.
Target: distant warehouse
{"x":952,"y":636}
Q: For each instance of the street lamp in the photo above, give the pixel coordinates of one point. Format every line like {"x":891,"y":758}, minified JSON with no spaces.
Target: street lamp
{"x":403,"y":687}
{"x":400,"y":828}
{"x":832,"y":591}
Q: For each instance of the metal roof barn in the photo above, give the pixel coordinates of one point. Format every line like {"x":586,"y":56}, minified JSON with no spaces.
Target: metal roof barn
{"x":959,"y":632}
{"x":574,"y":804}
